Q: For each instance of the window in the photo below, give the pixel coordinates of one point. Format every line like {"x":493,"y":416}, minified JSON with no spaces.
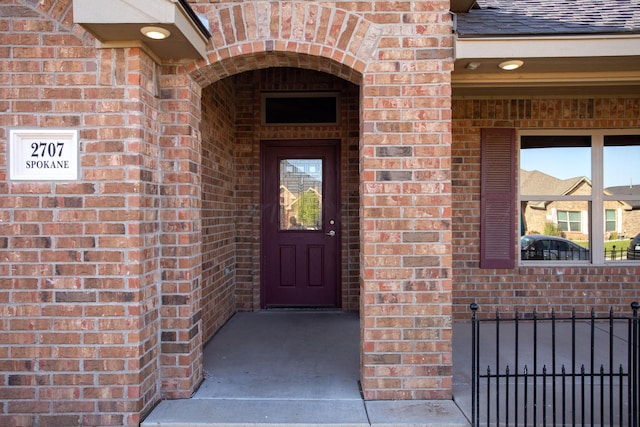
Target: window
{"x":578,"y":187}
{"x":300,"y":108}
{"x":300,"y":194}
{"x":610,"y":224}
{"x":569,"y":221}
{"x":582,"y":188}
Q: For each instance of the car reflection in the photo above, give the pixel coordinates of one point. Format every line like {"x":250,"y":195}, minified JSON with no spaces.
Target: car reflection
{"x":541,"y":247}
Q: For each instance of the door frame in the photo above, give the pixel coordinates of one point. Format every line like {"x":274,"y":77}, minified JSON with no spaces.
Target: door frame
{"x":301,"y":143}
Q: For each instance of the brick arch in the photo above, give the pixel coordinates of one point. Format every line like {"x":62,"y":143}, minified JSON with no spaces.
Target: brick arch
{"x":253,"y":35}
{"x":245,"y":37}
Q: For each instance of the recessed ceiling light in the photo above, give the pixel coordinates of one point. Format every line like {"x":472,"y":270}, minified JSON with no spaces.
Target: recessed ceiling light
{"x":155,"y":33}
{"x":511,"y":65}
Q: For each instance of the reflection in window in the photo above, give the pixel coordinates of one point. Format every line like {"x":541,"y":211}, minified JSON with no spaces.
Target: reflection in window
{"x":615,"y":243}
{"x":621,"y":176}
{"x":570,"y":221}
{"x":559,"y":224}
{"x":558,"y":189}
{"x":300,"y":194}
{"x":621,"y":154}
{"x":553,"y":248}
{"x":555,"y":165}
{"x":611,"y":221}
{"x":556,"y":176}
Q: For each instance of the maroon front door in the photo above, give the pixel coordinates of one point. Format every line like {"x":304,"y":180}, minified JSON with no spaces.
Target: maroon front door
{"x":300,"y":224}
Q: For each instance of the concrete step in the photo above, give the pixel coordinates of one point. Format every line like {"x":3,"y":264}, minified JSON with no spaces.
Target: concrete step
{"x":304,"y":413}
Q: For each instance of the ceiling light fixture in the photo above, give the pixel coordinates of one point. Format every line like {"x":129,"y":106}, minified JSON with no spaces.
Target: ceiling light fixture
{"x":155,"y":33}
{"x":511,"y":65}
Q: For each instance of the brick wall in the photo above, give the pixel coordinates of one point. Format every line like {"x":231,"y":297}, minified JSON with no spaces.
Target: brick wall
{"x":400,"y":55}
{"x":80,"y":260}
{"x":106,"y":283}
{"x":219,"y":233}
{"x":181,"y":237}
{"x":526,"y":288}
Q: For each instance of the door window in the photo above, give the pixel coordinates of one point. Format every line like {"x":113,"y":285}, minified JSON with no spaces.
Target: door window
{"x":300,"y":194}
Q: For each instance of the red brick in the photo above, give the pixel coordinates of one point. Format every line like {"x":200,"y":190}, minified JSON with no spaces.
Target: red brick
{"x":141,"y":169}
{"x":468,"y":116}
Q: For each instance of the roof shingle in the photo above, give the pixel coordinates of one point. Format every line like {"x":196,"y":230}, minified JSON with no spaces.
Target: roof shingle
{"x":536,"y":183}
{"x":549,"y":17}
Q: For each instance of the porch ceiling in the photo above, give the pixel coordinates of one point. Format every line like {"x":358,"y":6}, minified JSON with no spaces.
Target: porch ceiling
{"x":588,"y":65}
{"x":118,"y":23}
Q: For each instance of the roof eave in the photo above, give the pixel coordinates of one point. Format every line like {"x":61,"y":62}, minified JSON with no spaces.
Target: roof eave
{"x":118,"y":23}
{"x":574,"y":65}
{"x":592,"y":45}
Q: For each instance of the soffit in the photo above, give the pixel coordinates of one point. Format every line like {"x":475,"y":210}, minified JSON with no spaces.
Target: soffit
{"x":117,"y":23}
{"x":575,"y":67}
{"x":570,"y":47}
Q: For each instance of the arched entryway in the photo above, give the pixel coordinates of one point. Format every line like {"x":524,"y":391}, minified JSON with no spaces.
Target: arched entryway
{"x":394,"y":150}
{"x":216,"y":154}
{"x":255,"y":170}
{"x":235,"y":138}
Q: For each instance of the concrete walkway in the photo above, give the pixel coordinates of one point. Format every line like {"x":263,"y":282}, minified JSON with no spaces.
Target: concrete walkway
{"x":286,"y":368}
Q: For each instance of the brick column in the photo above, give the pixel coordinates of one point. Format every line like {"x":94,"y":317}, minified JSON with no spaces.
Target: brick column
{"x":79,"y":270}
{"x":142,"y":155}
{"x":406,"y":206}
{"x":181,"y":234}
{"x":121,"y":216}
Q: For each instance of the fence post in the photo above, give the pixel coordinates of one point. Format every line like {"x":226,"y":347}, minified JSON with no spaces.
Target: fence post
{"x":535,"y":367}
{"x":517,"y":362}
{"x":611,"y":366}
{"x":474,"y":367}
{"x":497,"y":365}
{"x":635,"y":369}
{"x":573,"y":367}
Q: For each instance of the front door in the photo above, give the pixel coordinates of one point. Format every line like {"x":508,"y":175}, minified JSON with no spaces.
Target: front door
{"x":300,"y":224}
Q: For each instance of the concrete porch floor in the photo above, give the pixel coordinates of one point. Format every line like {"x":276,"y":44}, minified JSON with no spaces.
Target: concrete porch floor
{"x":297,"y":368}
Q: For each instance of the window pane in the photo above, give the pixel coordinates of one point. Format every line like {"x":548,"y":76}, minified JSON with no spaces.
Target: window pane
{"x":300,"y":194}
{"x":621,"y":179}
{"x":620,"y":228}
{"x":559,"y":226}
{"x":570,"y":221}
{"x":555,"y":171}
{"x":301,"y":109}
{"x":559,"y":167}
{"x":575,"y":221}
{"x":547,"y":141}
{"x":621,"y":155}
{"x":563,"y":220}
{"x":611,"y":220}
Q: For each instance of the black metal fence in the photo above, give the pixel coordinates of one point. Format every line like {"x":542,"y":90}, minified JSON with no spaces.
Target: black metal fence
{"x":617,"y":254}
{"x":548,"y":371}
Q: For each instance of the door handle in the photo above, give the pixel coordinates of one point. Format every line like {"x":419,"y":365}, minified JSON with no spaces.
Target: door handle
{"x":331,"y":233}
